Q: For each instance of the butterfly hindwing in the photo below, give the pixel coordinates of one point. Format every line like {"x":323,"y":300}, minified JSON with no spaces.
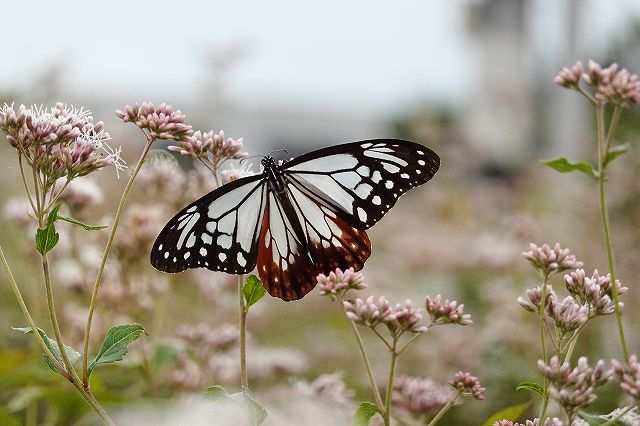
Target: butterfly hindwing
{"x":219,"y":231}
{"x":364,"y":179}
{"x":300,"y":239}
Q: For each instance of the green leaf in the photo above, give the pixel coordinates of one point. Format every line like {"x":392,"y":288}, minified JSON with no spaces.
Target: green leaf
{"x":253,"y":290}
{"x":216,"y":392}
{"x":594,"y":420}
{"x":82,"y":224}
{"x":615,"y":152}
{"x":565,"y":166}
{"x":511,"y":413}
{"x":534,"y":387}
{"x":364,"y":413}
{"x":72,"y":354}
{"x":254,"y":412}
{"x":47,"y":237}
{"x":116,"y":344}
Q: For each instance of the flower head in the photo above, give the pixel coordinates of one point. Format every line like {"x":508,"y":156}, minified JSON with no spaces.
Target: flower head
{"x":607,"y":85}
{"x":629,"y":376}
{"x":81,"y":194}
{"x":569,"y":78}
{"x":338,"y":282}
{"x":574,"y":389}
{"x":567,"y":314}
{"x":161,"y":122}
{"x":465,"y":383}
{"x":447,"y":312}
{"x":369,"y":312}
{"x":213,"y":147}
{"x":420,"y":397}
{"x":550,"y":261}
{"x":595,"y":291}
{"x":405,"y":318}
{"x":61,"y":141}
{"x":534,"y":296}
{"x":330,"y":386}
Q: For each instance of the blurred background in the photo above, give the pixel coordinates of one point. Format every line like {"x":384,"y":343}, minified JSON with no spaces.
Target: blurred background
{"x":471,"y":79}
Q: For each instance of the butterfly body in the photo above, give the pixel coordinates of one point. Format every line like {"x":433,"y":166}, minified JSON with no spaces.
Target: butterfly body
{"x":296,"y":219}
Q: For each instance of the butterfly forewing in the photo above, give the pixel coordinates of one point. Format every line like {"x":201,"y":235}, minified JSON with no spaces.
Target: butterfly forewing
{"x":364,"y":179}
{"x":218,"y":231}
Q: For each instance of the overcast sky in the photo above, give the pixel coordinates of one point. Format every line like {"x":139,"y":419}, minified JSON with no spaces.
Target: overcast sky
{"x":372,"y":55}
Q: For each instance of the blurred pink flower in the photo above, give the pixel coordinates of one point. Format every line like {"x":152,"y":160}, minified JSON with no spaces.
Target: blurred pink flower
{"x":419,"y":397}
{"x":447,"y":312}
{"x":550,"y":261}
{"x":629,"y":376}
{"x":466,"y":383}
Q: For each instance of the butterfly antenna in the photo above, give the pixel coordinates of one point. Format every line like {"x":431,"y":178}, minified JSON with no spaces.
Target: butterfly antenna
{"x":280,"y":150}
{"x":248,"y":158}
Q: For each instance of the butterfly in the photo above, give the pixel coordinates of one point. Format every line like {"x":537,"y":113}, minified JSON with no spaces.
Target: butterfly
{"x":295,"y":219}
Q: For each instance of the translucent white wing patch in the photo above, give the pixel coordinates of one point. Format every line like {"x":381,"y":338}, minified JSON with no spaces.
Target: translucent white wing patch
{"x":364,"y":179}
{"x":300,"y":239}
{"x":219,"y":231}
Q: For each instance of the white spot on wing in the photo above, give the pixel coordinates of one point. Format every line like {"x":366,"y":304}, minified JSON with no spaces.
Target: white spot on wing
{"x":362,"y":214}
{"x":241,"y":260}
{"x":203,"y":251}
{"x":376,"y":200}
{"x":391,"y":168}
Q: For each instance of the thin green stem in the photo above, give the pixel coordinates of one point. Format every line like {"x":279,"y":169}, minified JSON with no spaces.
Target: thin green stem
{"x":107,"y":250}
{"x":444,"y":409}
{"x":367,"y":364}
{"x":409,"y":342}
{"x":541,"y":308}
{"x":389,"y":392}
{"x":600,"y":127}
{"x":24,"y":309}
{"x":377,"y":333}
{"x":68,"y":367}
{"x":24,"y":182}
{"x":243,"y":310}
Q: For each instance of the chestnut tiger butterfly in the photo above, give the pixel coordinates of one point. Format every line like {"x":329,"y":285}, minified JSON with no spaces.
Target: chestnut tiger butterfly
{"x":295,"y":219}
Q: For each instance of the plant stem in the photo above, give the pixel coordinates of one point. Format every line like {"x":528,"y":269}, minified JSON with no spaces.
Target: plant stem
{"x":24,"y":309}
{"x":72,"y":376}
{"x":367,"y":364}
{"x":602,"y":150}
{"x":543,"y":304}
{"x":107,"y":250}
{"x":242,"y":317}
{"x":444,"y":409}
{"x":392,"y":372}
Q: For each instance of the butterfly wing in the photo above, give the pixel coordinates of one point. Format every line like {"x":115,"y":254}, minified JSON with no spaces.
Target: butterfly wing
{"x":363,"y":180}
{"x":300,"y":238}
{"x":218,"y":232}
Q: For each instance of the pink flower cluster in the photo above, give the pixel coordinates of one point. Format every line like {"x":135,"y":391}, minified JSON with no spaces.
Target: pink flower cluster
{"x":338,"y":282}
{"x":61,"y":141}
{"x":466,"y":383}
{"x":372,"y":312}
{"x":448,"y":312}
{"x":608,"y":85}
{"x":215,"y":147}
{"x":161,"y":122}
{"x":629,"y":375}
{"x":574,"y":388}
{"x":551,"y":260}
